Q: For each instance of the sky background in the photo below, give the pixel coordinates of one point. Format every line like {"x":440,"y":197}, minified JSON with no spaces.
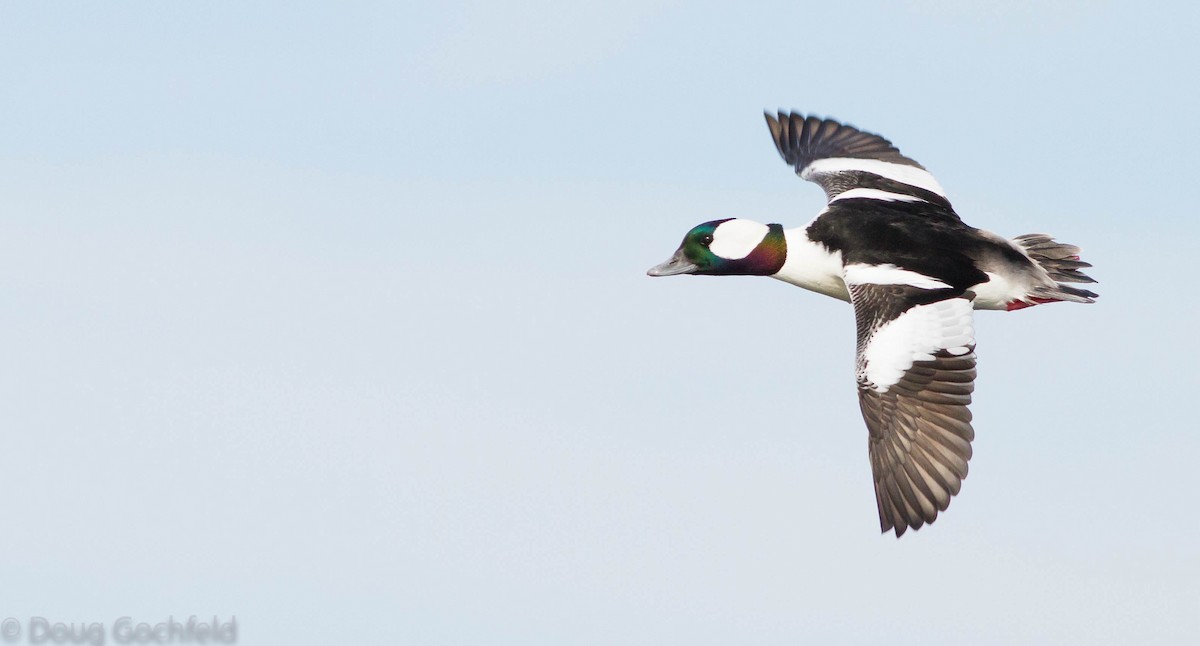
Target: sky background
{"x":333,"y":317}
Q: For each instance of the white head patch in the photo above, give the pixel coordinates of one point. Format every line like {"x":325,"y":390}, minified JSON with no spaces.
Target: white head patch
{"x":737,"y":238}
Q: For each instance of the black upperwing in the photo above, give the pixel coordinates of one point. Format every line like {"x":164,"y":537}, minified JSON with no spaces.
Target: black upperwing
{"x":840,"y":158}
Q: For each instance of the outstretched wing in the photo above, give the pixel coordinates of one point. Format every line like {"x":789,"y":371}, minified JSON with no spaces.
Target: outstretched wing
{"x":850,"y":163}
{"x":916,"y":372}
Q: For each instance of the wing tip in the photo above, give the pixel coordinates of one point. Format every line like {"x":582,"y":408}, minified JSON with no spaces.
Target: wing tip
{"x":802,"y":138}
{"x":775,"y":125}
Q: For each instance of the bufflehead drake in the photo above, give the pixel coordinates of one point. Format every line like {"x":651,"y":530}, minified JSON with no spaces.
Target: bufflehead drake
{"x":890,"y":243}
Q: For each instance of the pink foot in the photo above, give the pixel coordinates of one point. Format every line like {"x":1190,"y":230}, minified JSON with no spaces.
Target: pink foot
{"x":1034,"y":300}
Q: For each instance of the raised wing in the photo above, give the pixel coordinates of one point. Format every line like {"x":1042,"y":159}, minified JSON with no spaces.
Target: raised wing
{"x":850,"y":163}
{"x":916,"y":372}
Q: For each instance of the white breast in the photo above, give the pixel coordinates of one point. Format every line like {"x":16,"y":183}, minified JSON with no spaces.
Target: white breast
{"x":811,"y":266}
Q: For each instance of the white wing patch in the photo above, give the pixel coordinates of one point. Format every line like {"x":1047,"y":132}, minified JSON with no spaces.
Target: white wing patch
{"x":902,"y":173}
{"x":858,"y":274}
{"x":874,"y":194}
{"x":915,"y":336}
{"x":735,"y":239}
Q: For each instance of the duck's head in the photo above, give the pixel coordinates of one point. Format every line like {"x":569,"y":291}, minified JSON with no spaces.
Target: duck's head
{"x":731,"y":247}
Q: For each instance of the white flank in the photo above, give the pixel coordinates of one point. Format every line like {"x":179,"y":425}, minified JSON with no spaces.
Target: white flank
{"x":998,"y":291}
{"x":874,"y":194}
{"x":890,"y":275}
{"x":915,"y":336}
{"x":902,"y":173}
{"x":811,"y":266}
{"x":736,"y":239}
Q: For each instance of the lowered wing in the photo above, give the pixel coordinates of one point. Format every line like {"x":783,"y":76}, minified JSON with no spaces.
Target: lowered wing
{"x":915,"y":372}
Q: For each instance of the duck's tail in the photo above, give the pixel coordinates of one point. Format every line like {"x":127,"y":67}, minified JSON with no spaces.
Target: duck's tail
{"x":1061,"y":262}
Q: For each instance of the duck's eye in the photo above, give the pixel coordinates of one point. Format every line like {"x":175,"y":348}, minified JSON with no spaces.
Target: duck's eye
{"x":706,"y":240}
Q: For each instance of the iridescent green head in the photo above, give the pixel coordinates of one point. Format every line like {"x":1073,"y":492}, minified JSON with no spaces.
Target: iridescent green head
{"x":731,"y":247}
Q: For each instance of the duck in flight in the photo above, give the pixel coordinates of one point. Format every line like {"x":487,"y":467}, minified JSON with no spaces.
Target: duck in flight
{"x":890,"y":243}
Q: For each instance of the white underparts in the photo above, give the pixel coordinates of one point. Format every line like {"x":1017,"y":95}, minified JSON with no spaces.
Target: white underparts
{"x":890,"y":275}
{"x":915,"y":336}
{"x":874,"y":194}
{"x":902,"y":173}
{"x":735,"y":239}
{"x":998,"y":291}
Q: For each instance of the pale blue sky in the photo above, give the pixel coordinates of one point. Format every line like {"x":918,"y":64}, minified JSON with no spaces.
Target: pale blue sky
{"x":334,"y":318}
